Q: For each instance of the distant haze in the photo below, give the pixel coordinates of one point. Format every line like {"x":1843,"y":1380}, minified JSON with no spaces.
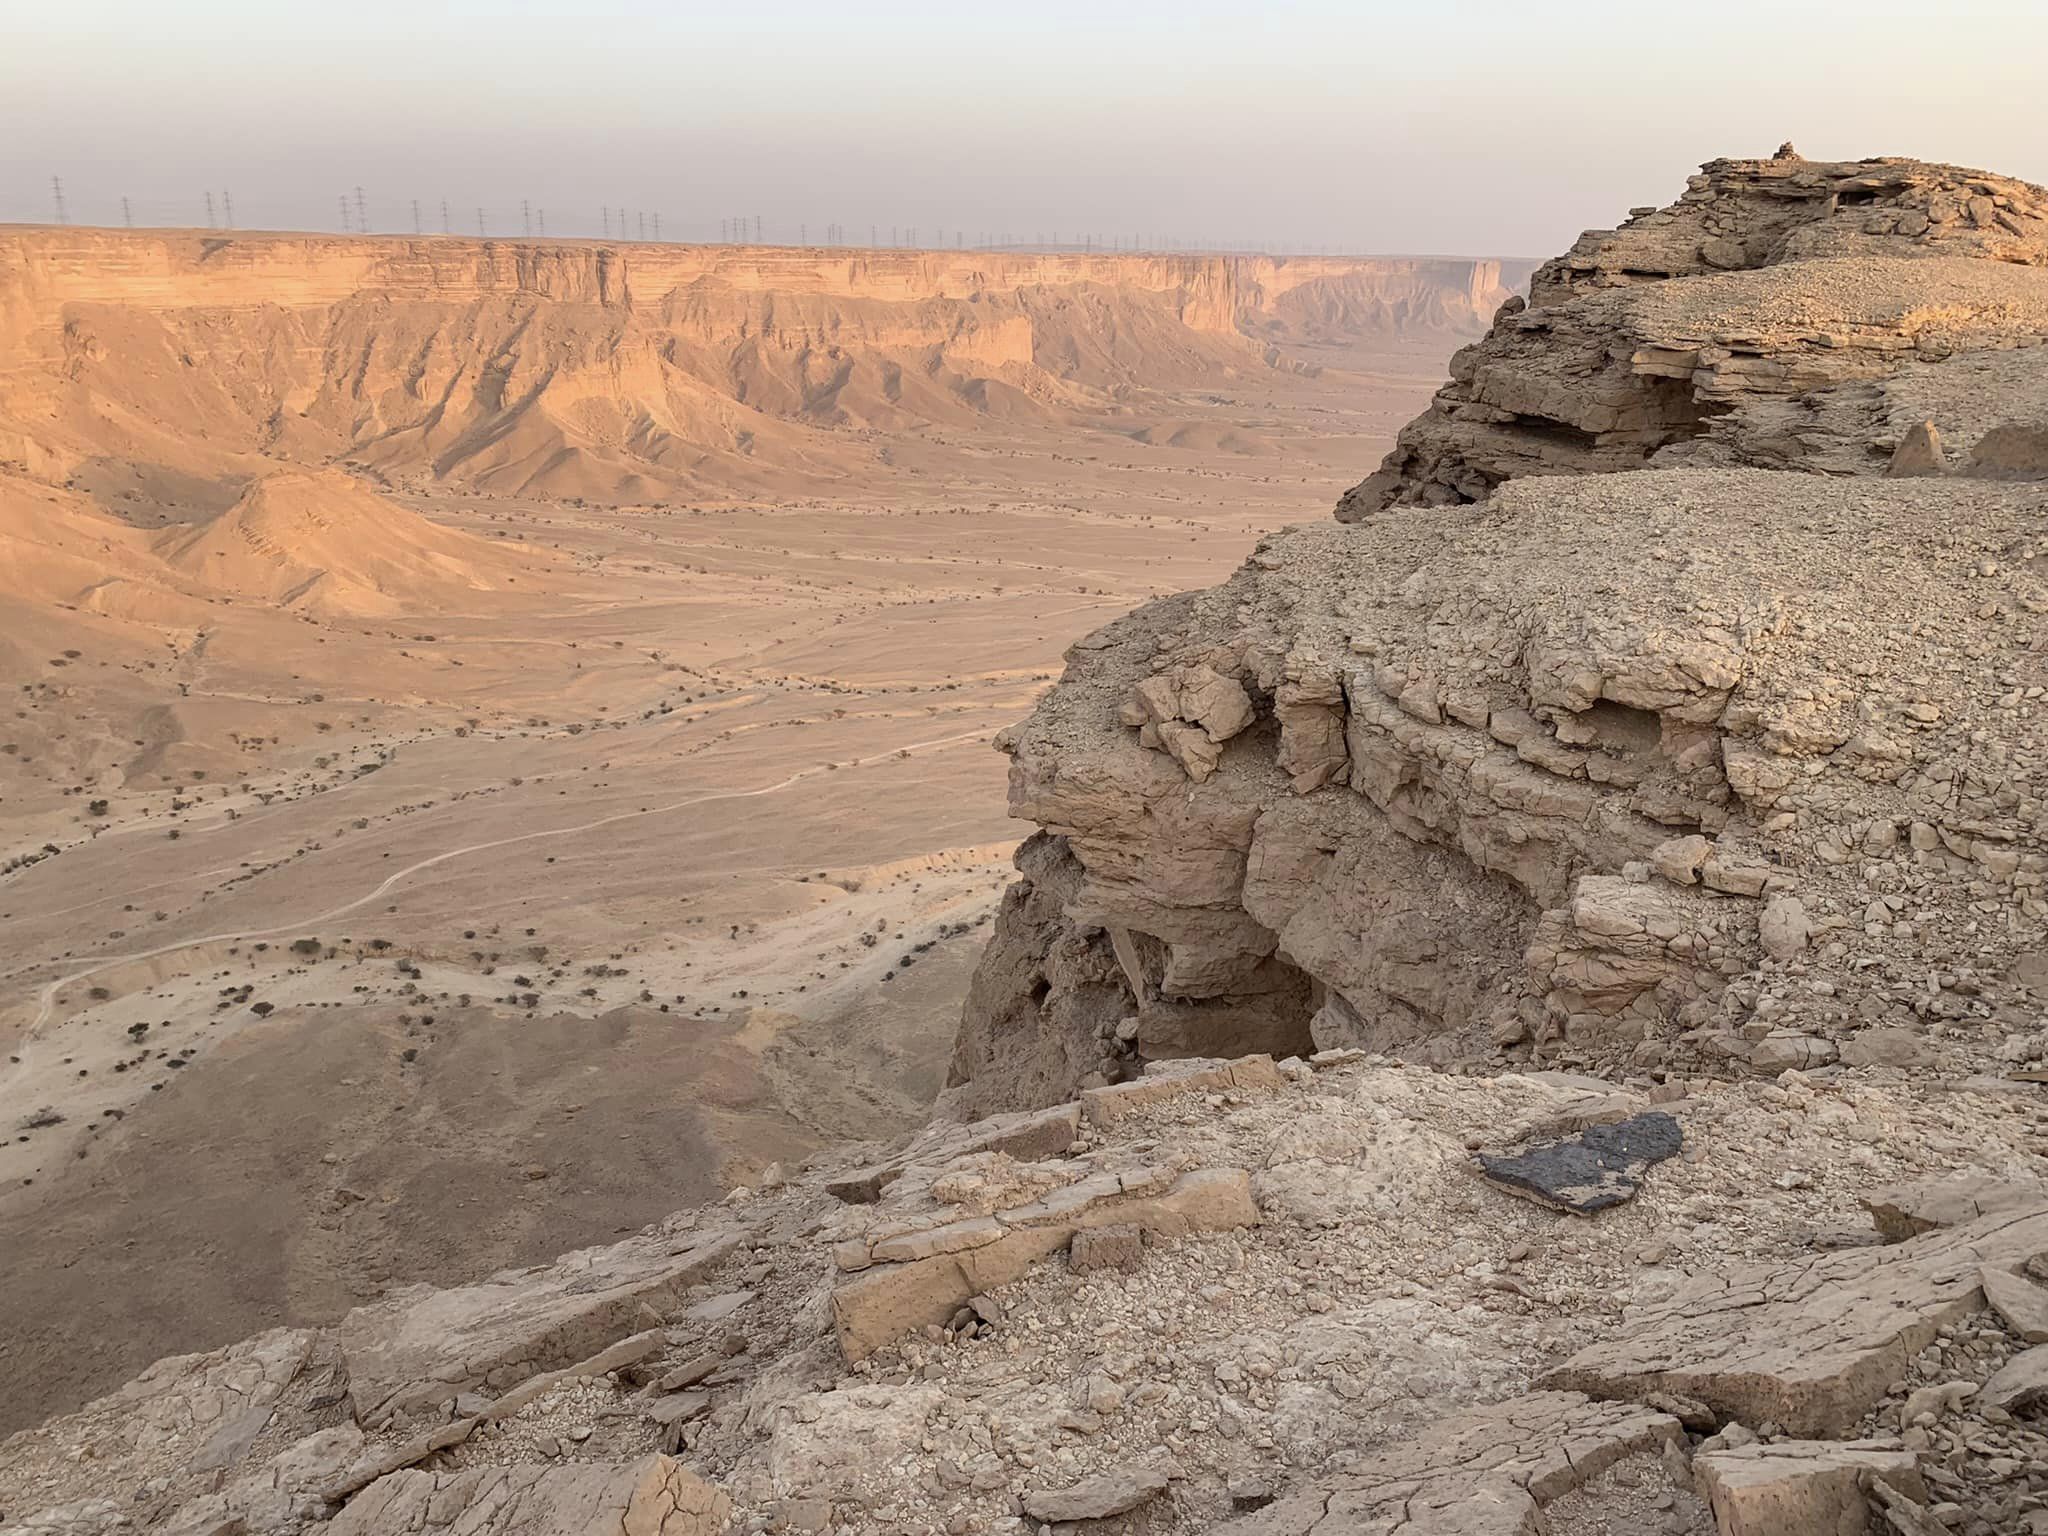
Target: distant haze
{"x":1470,"y":128}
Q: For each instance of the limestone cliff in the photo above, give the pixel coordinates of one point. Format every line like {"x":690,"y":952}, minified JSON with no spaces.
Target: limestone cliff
{"x":617,"y":371}
{"x":1696,"y":765}
{"x":1783,"y":313}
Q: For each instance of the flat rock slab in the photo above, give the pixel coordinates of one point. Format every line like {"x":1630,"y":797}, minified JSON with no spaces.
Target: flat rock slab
{"x":2023,"y":1304}
{"x":1104,"y":1107}
{"x":891,"y":1299}
{"x":1489,"y":1472}
{"x":2021,"y":1383}
{"x":1097,"y":1498}
{"x":650,"y":1497}
{"x":421,"y":1348}
{"x":1797,"y":1487}
{"x":1900,"y":1211}
{"x":1600,"y":1167}
{"x":1810,"y":1344}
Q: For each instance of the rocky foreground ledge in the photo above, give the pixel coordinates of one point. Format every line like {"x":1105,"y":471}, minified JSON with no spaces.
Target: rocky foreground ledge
{"x":1226,"y":1295}
{"x":1715,"y":767}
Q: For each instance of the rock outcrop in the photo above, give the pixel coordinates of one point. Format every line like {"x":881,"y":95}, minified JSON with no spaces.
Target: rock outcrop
{"x":1722,"y":766}
{"x":1783,"y":313}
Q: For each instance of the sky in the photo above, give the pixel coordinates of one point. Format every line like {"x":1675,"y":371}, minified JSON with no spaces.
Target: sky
{"x":1463,"y":127}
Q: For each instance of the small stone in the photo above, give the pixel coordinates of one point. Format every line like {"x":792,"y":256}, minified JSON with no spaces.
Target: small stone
{"x":1678,"y":859}
{"x":1919,"y":453}
{"x":1783,"y":929}
{"x":1119,"y":1247}
{"x":1096,"y":1498}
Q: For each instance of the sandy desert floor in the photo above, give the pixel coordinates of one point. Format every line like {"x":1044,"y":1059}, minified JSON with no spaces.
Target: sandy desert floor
{"x":414,"y":947}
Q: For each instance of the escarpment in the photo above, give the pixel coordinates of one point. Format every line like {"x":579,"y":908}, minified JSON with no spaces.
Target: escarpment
{"x":1783,"y":313}
{"x":1708,"y":766}
{"x":622,"y":370}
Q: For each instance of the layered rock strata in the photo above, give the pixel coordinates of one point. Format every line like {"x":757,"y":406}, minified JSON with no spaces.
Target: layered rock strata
{"x":1709,"y":764}
{"x":1783,"y":313}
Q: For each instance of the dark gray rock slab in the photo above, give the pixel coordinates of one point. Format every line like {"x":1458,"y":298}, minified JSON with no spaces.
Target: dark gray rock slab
{"x":1600,"y":1167}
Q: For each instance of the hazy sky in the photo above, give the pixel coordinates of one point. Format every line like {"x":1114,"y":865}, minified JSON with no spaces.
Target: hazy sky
{"x":1462,"y":126}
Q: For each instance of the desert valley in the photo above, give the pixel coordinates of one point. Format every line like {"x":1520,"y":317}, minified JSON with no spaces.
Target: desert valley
{"x":502,"y":735}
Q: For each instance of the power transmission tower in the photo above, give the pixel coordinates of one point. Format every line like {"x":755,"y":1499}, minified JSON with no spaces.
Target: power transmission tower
{"x":209,"y":211}
{"x":415,"y":215}
{"x":127,"y":218}
{"x":605,"y":213}
{"x":803,"y":234}
{"x":871,"y":237}
{"x":227,"y":209}
{"x":757,"y":229}
{"x":543,"y":222}
{"x":362,"y":214}
{"x":444,"y":217}
{"x":641,"y":218}
{"x":344,"y":213}
{"x":526,"y":216}
{"x":57,"y":192}
{"x":480,"y":224}
{"x":657,"y":226}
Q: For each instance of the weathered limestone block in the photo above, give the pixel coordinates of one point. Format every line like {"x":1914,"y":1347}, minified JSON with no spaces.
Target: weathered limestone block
{"x":1192,"y":747}
{"x":2022,"y":1303}
{"x":1488,"y":1472}
{"x":2021,"y":1384}
{"x":1026,"y":1135}
{"x":1248,"y":1074}
{"x":1120,"y":1247}
{"x":1188,"y":713}
{"x":1310,"y":710}
{"x":1620,"y":946}
{"x":1919,"y":453}
{"x":651,"y":1497}
{"x":1810,"y":1345}
{"x":1096,"y":1498}
{"x":1900,"y":1211}
{"x":420,"y":1348}
{"x":188,"y":1425}
{"x":890,"y":1299}
{"x":1803,"y":1487}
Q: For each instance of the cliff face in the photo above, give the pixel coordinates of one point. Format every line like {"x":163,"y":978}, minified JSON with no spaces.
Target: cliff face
{"x":580,"y":368}
{"x":1591,"y":768}
{"x":1783,"y":313}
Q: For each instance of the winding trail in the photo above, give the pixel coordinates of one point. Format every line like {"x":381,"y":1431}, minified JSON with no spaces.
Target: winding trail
{"x":47,"y":998}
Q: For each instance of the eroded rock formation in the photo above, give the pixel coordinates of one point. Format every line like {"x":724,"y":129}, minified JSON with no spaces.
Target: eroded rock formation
{"x":1784,"y":313}
{"x":620,"y":370}
{"x":1699,"y":764}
